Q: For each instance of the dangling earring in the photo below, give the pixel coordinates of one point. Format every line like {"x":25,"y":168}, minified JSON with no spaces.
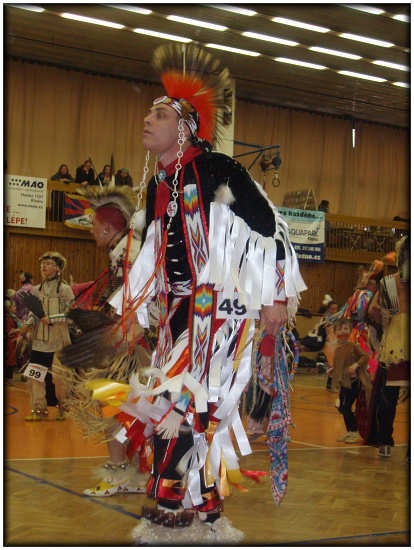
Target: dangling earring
{"x":143,"y":180}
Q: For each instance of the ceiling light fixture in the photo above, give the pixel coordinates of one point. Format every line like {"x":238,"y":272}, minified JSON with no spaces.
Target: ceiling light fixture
{"x":391,"y":65}
{"x":270,"y":38}
{"x":127,"y":7}
{"x":233,"y":9}
{"x":366,"y":40}
{"x":163,"y":35}
{"x":401,"y":17}
{"x":84,"y":19}
{"x":196,"y":23}
{"x":334,"y":52}
{"x":28,"y":7}
{"x":234,"y":50}
{"x":367,"y":9}
{"x":401,"y":84}
{"x":300,"y":63}
{"x":299,"y":24}
{"x":361,"y":75}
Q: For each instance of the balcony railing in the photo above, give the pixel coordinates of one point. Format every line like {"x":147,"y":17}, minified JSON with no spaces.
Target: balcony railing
{"x":348,"y":238}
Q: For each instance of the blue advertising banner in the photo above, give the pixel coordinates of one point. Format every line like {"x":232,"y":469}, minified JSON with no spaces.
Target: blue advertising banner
{"x":307,"y":233}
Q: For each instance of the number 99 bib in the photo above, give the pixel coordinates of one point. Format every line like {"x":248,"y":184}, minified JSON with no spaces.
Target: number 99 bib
{"x":35,"y":372}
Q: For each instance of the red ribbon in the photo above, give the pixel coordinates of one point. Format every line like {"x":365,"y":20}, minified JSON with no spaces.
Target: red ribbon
{"x":162,"y":199}
{"x":136,"y":437}
{"x":253,"y":474}
{"x":267,"y":347}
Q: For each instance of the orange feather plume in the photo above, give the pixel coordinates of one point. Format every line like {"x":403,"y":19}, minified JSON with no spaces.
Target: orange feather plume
{"x":191,"y":88}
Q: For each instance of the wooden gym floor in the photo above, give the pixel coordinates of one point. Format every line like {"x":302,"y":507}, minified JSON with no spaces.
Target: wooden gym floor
{"x":338,"y":494}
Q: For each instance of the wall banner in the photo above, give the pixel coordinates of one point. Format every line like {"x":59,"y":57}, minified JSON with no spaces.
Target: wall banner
{"x":78,"y":212}
{"x":307,"y":233}
{"x":25,"y":201}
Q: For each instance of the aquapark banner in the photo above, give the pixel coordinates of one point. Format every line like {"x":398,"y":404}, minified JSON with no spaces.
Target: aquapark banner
{"x":78,"y":212}
{"x":307,"y":233}
{"x":25,"y":204}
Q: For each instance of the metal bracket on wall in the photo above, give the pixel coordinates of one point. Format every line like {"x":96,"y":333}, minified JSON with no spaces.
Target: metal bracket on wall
{"x":266,"y":162}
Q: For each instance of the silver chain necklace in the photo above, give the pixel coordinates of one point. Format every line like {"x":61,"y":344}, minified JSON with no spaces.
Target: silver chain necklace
{"x":172,"y":207}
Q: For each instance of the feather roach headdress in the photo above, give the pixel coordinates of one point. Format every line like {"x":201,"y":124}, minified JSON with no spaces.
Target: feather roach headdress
{"x":116,"y":202}
{"x":197,"y":86}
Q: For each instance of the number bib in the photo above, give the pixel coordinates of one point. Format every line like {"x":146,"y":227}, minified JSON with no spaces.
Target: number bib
{"x":231,"y":309}
{"x":35,"y":372}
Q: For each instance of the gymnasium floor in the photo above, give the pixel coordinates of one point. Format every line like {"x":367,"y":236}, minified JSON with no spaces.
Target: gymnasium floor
{"x":338,"y":494}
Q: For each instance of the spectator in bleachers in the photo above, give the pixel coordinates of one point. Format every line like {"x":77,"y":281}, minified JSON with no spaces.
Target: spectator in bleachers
{"x":62,"y":174}
{"x":123,"y":178}
{"x":58,"y":198}
{"x":85,"y":174}
{"x":105,"y":176}
{"x":324,"y":206}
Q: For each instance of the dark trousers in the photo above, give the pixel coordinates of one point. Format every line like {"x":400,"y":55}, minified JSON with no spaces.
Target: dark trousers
{"x":347,"y":397}
{"x":387,"y":407}
{"x":46,"y":359}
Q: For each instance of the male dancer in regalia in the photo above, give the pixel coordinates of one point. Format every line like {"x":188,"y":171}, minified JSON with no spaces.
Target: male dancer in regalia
{"x":113,"y":208}
{"x":217,"y":254}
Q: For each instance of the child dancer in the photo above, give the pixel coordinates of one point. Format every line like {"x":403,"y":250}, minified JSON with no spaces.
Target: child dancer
{"x":351,"y":373}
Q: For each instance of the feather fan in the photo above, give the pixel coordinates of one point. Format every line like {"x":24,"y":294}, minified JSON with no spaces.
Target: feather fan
{"x":97,"y":348}
{"x":33,"y":304}
{"x":88,"y":320}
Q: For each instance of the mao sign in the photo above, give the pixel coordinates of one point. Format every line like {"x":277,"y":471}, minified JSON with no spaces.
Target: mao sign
{"x":25,"y":204}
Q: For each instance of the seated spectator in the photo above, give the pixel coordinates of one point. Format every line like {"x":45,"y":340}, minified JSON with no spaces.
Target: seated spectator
{"x":402,"y":216}
{"x":62,"y":174}
{"x":324,"y":206}
{"x":123,"y":178}
{"x":105,"y":176}
{"x":58,"y":198}
{"x":84,"y":174}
